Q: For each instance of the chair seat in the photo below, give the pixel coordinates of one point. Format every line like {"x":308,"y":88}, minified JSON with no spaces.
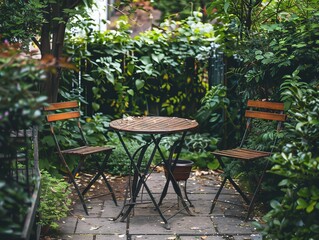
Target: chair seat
{"x":87,"y":150}
{"x":242,"y":153}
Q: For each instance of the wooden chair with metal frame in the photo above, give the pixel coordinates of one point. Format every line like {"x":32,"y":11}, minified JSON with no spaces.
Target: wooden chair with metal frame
{"x":262,"y":110}
{"x":68,"y":111}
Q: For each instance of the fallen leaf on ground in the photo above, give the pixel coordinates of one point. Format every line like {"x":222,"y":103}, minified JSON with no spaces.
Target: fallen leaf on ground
{"x":95,"y":228}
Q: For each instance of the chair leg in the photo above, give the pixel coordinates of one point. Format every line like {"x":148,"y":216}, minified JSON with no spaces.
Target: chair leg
{"x":93,"y":180}
{"x":239,"y":190}
{"x":251,"y":205}
{"x":252,"y":201}
{"x":72,"y":179}
{"x":79,"y":194}
{"x":110,"y":188}
{"x":217,"y":195}
{"x":78,"y":167}
{"x":100,"y":169}
{"x":246,"y":199}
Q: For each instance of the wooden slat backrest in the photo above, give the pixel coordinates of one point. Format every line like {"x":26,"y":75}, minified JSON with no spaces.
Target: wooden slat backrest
{"x":53,"y":114}
{"x":266,"y":111}
{"x":267,"y":105}
{"x":63,"y":111}
{"x":61,"y":105}
{"x":266,"y":115}
{"x":63,"y":116}
{"x":261,"y":112}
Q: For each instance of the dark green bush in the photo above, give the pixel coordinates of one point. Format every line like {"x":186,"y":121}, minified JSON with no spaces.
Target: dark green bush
{"x":20,"y":105}
{"x":119,"y":163}
{"x":296,"y":215}
{"x":14,"y":204}
{"x":159,"y":72}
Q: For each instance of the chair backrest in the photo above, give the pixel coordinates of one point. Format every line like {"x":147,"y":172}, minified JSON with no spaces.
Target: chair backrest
{"x":63,"y":111}
{"x":264,"y":110}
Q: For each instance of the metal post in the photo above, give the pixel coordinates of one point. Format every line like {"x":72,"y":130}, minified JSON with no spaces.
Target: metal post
{"x":216,"y":66}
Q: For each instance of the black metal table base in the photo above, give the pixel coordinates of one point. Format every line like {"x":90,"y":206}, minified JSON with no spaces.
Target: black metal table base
{"x":139,"y":180}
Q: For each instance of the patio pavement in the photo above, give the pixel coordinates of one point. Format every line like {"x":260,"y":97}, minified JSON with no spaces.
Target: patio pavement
{"x":226,"y":222}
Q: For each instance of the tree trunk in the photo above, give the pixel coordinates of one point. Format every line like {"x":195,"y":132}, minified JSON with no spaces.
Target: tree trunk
{"x":52,"y":42}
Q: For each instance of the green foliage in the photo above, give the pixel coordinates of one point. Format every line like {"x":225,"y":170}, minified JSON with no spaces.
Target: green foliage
{"x":19,"y":76}
{"x":295,"y":215}
{"x":14,"y":204}
{"x":119,"y":163}
{"x":179,"y":9}
{"x":20,"y":106}
{"x":278,"y":50}
{"x":220,"y":117}
{"x":20,"y":20}
{"x":43,"y":23}
{"x":265,"y":42}
{"x":95,"y":129}
{"x":196,"y":147}
{"x":161,"y":71}
{"x":55,"y":200}
{"x":213,"y":109}
{"x":199,"y":147}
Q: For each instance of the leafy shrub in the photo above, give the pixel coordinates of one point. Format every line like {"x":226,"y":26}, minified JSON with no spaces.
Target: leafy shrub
{"x":161,"y":71}
{"x":296,"y":214}
{"x":277,"y":50}
{"x":196,"y":147}
{"x":199,"y":147}
{"x":20,"y":76}
{"x":213,"y":110}
{"x":55,"y":200}
{"x":178,"y":9}
{"x":14,"y":204}
{"x":119,"y":163}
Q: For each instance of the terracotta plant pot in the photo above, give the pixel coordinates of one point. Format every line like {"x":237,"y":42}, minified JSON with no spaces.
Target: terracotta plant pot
{"x":182,"y":170}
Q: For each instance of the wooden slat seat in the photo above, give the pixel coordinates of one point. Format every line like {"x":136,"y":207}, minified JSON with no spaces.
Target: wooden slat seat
{"x":86,"y":150}
{"x":242,"y":153}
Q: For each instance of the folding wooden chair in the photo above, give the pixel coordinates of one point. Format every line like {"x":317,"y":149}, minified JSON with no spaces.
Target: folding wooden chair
{"x":262,"y":110}
{"x":63,"y":111}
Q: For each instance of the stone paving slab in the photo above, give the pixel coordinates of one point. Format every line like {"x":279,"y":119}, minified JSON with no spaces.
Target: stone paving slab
{"x":191,"y":225}
{"x":110,"y":210}
{"x":94,"y":208}
{"x":174,"y":237}
{"x":234,"y":226}
{"x":152,"y":237}
{"x":68,"y":225}
{"x":100,"y":226}
{"x":111,"y":237}
{"x":77,"y":237}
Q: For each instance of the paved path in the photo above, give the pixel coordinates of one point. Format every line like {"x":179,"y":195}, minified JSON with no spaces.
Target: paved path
{"x":225,"y":222}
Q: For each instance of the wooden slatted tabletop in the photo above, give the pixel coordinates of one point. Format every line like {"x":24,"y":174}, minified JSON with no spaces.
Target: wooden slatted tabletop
{"x":153,"y":125}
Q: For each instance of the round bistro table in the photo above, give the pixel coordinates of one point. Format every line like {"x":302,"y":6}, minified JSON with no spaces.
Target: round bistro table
{"x":156,"y":128}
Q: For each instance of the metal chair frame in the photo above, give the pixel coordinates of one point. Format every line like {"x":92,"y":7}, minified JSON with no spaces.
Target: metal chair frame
{"x":64,"y":111}
{"x":263,"y":110}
